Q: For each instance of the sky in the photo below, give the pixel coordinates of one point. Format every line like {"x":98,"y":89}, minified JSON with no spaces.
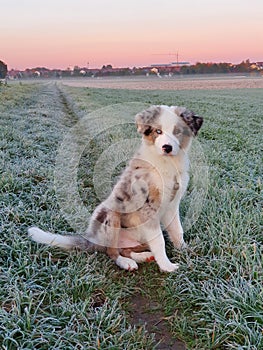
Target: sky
{"x":128,"y":33}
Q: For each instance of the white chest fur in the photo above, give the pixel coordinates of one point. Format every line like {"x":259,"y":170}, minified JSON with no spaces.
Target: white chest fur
{"x":170,"y":174}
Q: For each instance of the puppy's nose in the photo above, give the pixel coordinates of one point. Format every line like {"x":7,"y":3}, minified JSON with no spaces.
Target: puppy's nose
{"x":167,"y":148}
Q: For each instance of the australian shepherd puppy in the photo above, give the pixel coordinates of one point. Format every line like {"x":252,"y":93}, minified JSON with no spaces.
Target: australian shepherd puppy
{"x":127,"y":225}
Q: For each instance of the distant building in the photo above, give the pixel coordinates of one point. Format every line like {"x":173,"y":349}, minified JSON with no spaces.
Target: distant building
{"x":169,"y":67}
{"x":259,"y":65}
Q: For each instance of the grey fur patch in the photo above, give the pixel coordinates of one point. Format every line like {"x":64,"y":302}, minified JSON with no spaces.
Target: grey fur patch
{"x":193,"y":121}
{"x":147,"y":118}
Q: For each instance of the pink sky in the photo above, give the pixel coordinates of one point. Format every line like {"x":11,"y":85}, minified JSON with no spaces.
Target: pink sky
{"x":63,"y":33}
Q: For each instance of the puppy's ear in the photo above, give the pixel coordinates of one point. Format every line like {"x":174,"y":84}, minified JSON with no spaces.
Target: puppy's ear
{"x":146,"y":119}
{"x":193,"y":121}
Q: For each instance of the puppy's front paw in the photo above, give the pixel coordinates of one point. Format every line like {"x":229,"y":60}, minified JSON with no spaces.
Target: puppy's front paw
{"x":126,"y":263}
{"x":170,"y":267}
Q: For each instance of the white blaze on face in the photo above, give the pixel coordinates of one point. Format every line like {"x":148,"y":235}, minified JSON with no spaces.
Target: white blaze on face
{"x":166,"y":142}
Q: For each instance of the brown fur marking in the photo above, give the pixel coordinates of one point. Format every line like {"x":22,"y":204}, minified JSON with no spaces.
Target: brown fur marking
{"x":138,"y":249}
{"x":101,"y":216}
{"x":175,"y":189}
{"x":113,"y":253}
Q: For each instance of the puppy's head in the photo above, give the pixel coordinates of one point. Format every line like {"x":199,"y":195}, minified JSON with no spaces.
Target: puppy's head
{"x":169,"y":129}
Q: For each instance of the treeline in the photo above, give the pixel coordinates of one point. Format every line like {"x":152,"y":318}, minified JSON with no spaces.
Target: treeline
{"x":109,"y":70}
{"x":198,"y":68}
{"x":217,"y":68}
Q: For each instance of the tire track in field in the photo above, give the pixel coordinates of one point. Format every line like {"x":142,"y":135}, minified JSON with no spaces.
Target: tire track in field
{"x":50,"y":99}
{"x":53,"y":95}
{"x":71,"y":116}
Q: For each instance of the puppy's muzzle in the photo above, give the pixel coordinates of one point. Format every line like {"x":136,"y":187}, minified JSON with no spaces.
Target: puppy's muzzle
{"x":167,"y":148}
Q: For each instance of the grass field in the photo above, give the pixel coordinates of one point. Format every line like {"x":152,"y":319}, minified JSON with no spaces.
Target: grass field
{"x":55,"y":300}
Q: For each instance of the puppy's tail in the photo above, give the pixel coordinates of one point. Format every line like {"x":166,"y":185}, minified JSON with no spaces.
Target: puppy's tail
{"x":56,"y":240}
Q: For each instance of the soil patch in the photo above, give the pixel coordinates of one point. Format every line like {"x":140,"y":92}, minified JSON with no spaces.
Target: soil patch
{"x":149,"y":313}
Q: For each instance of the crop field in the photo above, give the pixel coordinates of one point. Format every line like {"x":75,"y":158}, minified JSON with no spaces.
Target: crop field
{"x":183,"y":82}
{"x":61,"y":149}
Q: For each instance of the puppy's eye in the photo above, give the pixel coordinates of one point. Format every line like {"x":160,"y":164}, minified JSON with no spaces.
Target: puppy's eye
{"x":159,"y":131}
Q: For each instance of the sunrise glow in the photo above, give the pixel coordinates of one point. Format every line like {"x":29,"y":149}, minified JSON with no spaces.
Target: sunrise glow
{"x":64,"y":33}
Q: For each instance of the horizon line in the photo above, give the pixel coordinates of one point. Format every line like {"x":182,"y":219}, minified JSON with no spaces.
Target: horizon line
{"x":71,"y":67}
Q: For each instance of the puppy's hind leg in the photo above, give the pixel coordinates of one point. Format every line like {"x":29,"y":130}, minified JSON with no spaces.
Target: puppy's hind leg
{"x":138,"y":253}
{"x":122,"y":261}
{"x":111,"y":229}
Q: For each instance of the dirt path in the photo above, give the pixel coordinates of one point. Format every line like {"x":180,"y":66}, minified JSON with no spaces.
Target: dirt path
{"x":149,"y":312}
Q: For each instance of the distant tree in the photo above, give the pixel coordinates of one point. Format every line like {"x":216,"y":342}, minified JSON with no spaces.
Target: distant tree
{"x":109,"y":66}
{"x":243,"y":67}
{"x":3,"y":70}
{"x":206,"y":68}
{"x":224,"y":68}
{"x":76,"y":71}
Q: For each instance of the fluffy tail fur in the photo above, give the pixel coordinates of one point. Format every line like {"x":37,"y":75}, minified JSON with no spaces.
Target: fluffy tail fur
{"x":56,"y":240}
